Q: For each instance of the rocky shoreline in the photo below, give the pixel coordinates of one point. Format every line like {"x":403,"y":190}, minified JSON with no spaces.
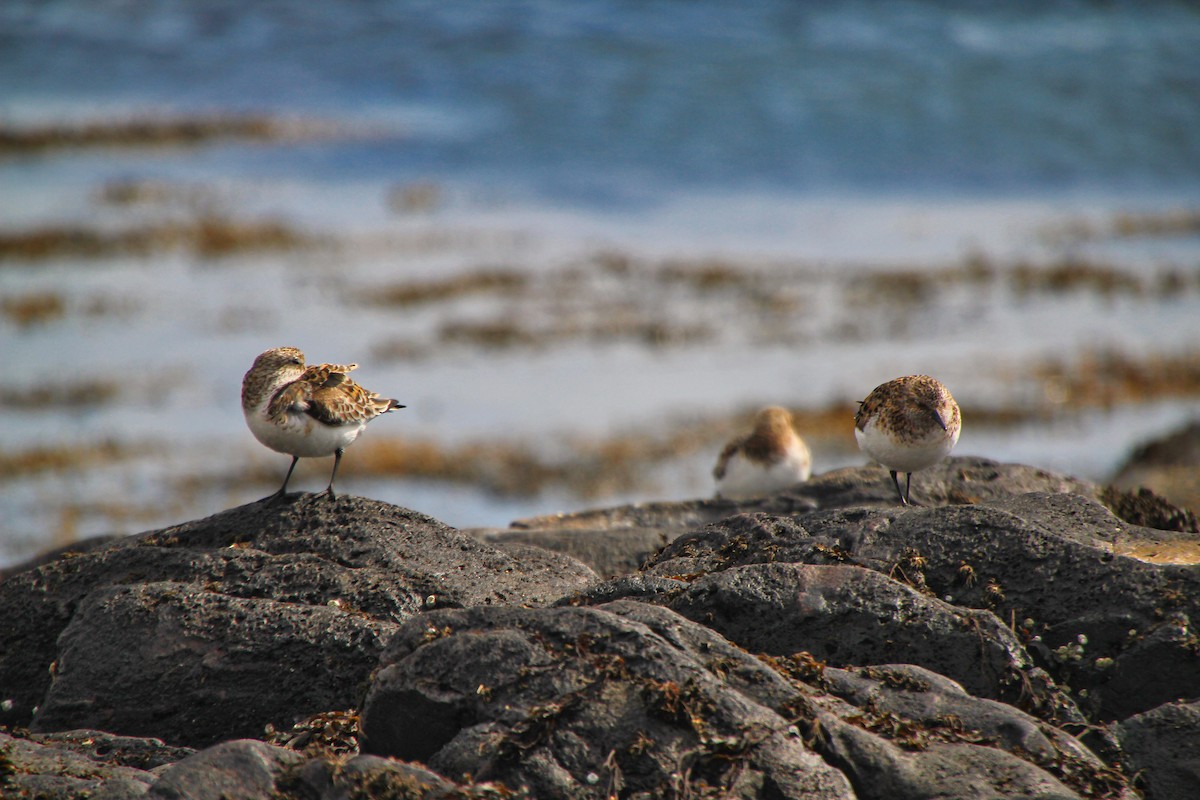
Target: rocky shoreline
{"x":1011,"y":636}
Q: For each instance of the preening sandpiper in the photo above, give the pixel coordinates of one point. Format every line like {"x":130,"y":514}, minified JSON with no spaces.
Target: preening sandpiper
{"x":769,"y":459}
{"x":908,"y":424}
{"x":306,"y":412}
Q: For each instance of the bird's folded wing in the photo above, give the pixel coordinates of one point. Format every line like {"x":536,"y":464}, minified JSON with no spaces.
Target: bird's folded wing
{"x":342,"y":403}
{"x":295,"y":397}
{"x":326,"y":374}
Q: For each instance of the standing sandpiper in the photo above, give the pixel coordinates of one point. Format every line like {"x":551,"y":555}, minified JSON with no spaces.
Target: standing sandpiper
{"x":771,"y":458}
{"x":908,"y":424}
{"x":306,"y":412}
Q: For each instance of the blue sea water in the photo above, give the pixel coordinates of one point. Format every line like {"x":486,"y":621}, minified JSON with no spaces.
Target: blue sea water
{"x":604,"y":102}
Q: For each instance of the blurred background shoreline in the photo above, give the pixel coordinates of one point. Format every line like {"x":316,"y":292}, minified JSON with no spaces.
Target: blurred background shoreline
{"x":583,"y":244}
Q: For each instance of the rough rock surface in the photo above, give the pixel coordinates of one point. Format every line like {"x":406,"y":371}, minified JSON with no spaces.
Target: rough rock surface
{"x":849,"y":616}
{"x":1162,"y":746}
{"x":1169,"y":465}
{"x":98,"y":766}
{"x":630,"y":698}
{"x":1045,"y":563}
{"x":610,"y":552}
{"x":240,"y":768}
{"x":148,"y":660}
{"x":1009,"y":638}
{"x":259,"y":615}
{"x":574,"y":702}
{"x":81,"y":763}
{"x":616,"y":541}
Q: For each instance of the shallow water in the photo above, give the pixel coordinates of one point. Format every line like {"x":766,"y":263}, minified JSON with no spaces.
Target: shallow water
{"x":700,"y":210}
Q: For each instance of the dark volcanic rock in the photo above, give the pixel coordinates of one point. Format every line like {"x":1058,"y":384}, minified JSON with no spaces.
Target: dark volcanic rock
{"x":81,"y":764}
{"x":936,"y":705}
{"x":822,"y":642}
{"x":846,"y":615}
{"x":894,"y":710}
{"x":1162,"y":747}
{"x":610,"y":552}
{"x":99,"y":766}
{"x":1144,"y":507}
{"x":236,"y":769}
{"x":574,"y":702}
{"x":62,"y":551}
{"x":370,"y":776}
{"x":1113,"y":626}
{"x":953,"y":481}
{"x":1169,"y":465}
{"x":881,"y":771}
{"x":196,"y":618}
{"x":615,"y":541}
{"x":635,"y":700}
{"x":147,"y":659}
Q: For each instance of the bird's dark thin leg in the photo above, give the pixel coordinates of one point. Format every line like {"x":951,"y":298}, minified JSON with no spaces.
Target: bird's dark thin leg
{"x":896,"y":480}
{"x":337,"y":459}
{"x":907,"y":488}
{"x":283,"y":489}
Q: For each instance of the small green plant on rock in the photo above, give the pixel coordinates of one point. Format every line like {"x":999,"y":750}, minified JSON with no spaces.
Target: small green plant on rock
{"x":1071,"y":652}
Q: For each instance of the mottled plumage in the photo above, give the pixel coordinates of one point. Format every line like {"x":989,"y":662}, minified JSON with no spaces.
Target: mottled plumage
{"x":306,"y":412}
{"x":770,"y":458}
{"x":908,"y":424}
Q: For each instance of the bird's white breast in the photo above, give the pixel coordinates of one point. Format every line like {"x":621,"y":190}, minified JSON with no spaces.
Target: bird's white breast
{"x":298,"y":434}
{"x":744,"y":478}
{"x":905,"y":456}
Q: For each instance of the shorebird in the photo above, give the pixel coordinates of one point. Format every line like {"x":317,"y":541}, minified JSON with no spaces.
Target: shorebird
{"x":770,"y":458}
{"x":306,"y":412}
{"x":908,"y":424}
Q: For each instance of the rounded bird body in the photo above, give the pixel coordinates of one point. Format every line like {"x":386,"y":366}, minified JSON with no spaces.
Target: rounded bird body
{"x":908,"y":455}
{"x":306,"y":412}
{"x":771,"y":458}
{"x":294,"y":431}
{"x":907,"y":425}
